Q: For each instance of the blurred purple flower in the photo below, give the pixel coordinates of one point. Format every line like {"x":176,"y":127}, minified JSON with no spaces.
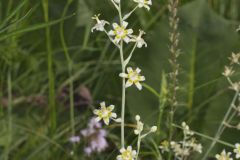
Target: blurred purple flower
{"x":95,"y":136}
{"x":74,"y":139}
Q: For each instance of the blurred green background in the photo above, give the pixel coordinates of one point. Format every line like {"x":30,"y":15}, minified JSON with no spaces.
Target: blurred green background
{"x":208,"y":37}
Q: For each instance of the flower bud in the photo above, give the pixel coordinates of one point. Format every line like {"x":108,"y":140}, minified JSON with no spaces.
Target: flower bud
{"x":154,"y":129}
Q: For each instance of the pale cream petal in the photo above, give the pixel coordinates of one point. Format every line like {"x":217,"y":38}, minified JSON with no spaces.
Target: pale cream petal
{"x":124,"y":75}
{"x":115,"y":25}
{"x":142,"y":78}
{"x":138,"y":85}
{"x":129,"y":31}
{"x":126,"y":39}
{"x":106,"y":120}
{"x":113,"y":115}
{"x":128,"y":83}
{"x":134,"y":153}
{"x":147,"y":7}
{"x":119,"y":157}
{"x":138,"y":70}
{"x":111,"y":33}
{"x":129,"y":148}
{"x":96,"y":111}
{"x":103,"y":104}
{"x":122,"y":150}
{"x":117,"y":40}
{"x":129,"y":69}
{"x":149,"y":2}
{"x":110,"y":108}
{"x":98,"y":119}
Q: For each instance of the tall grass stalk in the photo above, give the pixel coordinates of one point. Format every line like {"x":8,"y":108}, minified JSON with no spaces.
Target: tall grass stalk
{"x":70,"y":66}
{"x":9,"y":110}
{"x":174,"y":53}
{"x":51,"y":81}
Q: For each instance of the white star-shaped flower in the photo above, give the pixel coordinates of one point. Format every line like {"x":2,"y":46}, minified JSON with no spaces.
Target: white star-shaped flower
{"x":139,"y":40}
{"x":224,"y":156}
{"x":127,"y":154}
{"x":121,"y":32}
{"x":133,"y":77}
{"x":105,"y":113}
{"x":144,"y":3}
{"x":237,"y":150}
{"x":99,"y":26}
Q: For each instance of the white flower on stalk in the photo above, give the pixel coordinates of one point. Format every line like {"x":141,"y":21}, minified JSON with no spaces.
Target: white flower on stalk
{"x":139,"y":127}
{"x":99,"y":26}
{"x":237,"y":150}
{"x":139,"y":40}
{"x":121,"y":32}
{"x":133,"y":77}
{"x":127,"y":154}
{"x":224,"y":156}
{"x":105,"y":113}
{"x":234,"y":58}
{"x":228,"y":71}
{"x":144,"y":3}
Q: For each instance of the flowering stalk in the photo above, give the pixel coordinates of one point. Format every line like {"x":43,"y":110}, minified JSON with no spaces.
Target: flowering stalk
{"x":234,"y":59}
{"x":120,"y":35}
{"x":174,"y":51}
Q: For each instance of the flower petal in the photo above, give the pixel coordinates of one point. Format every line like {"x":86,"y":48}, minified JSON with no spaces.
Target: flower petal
{"x":128,"y":83}
{"x":96,"y":111}
{"x":129,"y":69}
{"x":111,"y":33}
{"x":124,"y":75}
{"x":110,"y":108}
{"x":113,"y":115}
{"x":142,"y":78}
{"x":98,"y":119}
{"x":126,"y":39}
{"x":138,"y":70}
{"x":138,"y":85}
{"x":103,"y":104}
{"x":129,"y":31}
{"x":106,"y":120}
{"x":115,"y":25}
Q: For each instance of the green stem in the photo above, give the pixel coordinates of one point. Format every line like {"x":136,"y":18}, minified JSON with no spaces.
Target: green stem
{"x":70,"y":65}
{"x":138,"y":145}
{"x":123,"y":96}
{"x":123,"y":83}
{"x":51,"y":82}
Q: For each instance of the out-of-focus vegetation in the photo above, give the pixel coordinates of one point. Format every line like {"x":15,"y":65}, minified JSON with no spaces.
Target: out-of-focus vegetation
{"x":29,"y":128}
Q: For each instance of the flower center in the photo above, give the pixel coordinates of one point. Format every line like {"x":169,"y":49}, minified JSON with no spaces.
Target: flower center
{"x":105,"y":113}
{"x":134,"y":76}
{"x":126,"y":155}
{"x":120,"y":32}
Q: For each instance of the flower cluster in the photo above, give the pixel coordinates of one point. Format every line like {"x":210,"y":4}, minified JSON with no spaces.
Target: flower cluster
{"x":228,"y":72}
{"x":184,"y":148}
{"x":95,"y":136}
{"x":227,"y":155}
